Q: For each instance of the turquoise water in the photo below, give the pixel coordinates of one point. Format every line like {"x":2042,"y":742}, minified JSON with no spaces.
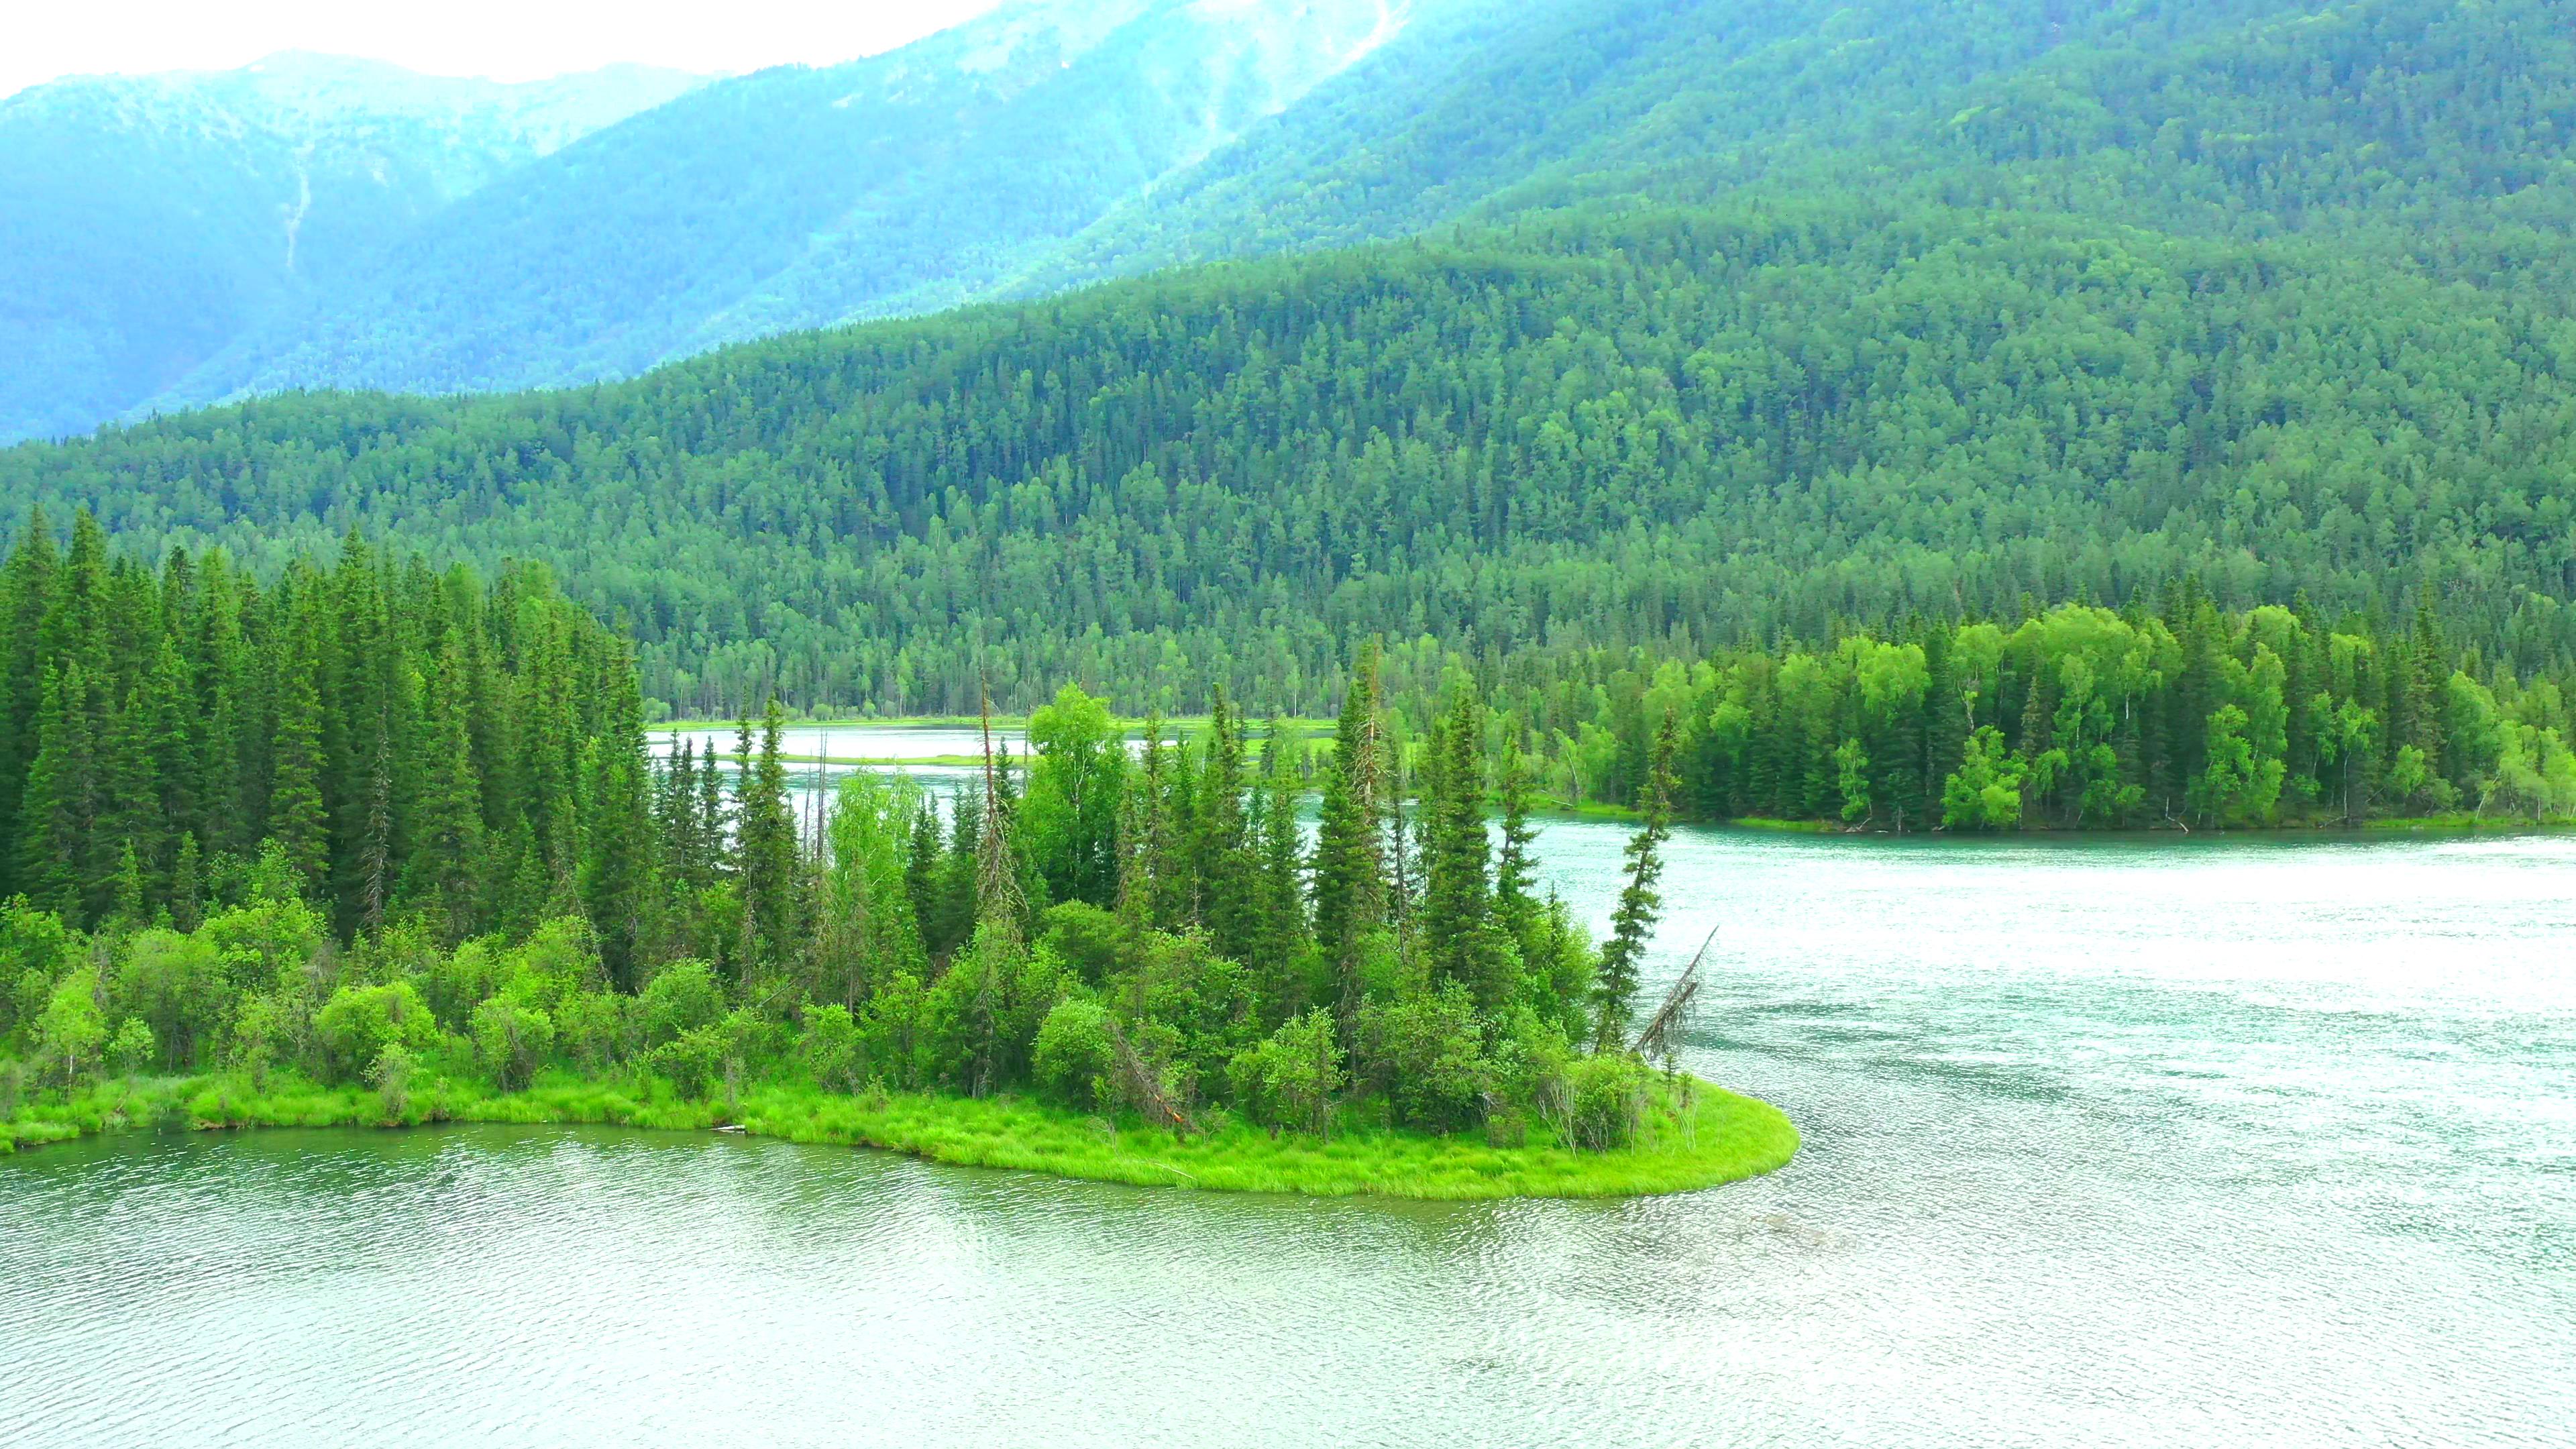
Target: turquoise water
{"x":2119,"y":1142}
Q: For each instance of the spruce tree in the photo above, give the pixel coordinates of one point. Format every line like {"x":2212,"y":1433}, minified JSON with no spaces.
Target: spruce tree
{"x":187,"y":886}
{"x":1221,"y":857}
{"x":1284,"y":938}
{"x":447,"y":826}
{"x":217,"y":709}
{"x":59,"y":814}
{"x":1455,"y":898}
{"x":765,"y":856}
{"x":921,"y":868}
{"x":617,"y":861}
{"x":708,"y":837}
{"x":1516,"y":904}
{"x":129,"y":799}
{"x":26,"y":596}
{"x":1632,"y":924}
{"x":1349,"y":878}
{"x":176,"y":764}
{"x":296,"y":818}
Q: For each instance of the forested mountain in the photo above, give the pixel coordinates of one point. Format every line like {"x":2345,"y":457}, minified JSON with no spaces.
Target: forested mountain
{"x":2240,"y":117}
{"x":1051,"y":144}
{"x":147,"y":221}
{"x":800,"y":197}
{"x":1673,"y":430}
{"x":1959,"y":310}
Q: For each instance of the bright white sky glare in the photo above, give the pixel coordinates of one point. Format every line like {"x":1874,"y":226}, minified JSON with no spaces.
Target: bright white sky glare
{"x":503,"y":39}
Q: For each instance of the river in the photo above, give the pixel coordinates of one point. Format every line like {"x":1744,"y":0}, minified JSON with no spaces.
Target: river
{"x":2120,"y":1142}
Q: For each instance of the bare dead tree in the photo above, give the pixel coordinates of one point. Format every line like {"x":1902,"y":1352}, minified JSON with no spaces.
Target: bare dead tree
{"x":1142,"y":1085}
{"x":1655,"y":1039}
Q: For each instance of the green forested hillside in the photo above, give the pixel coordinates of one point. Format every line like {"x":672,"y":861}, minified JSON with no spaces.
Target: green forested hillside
{"x":1056,"y":143}
{"x":801,"y":197}
{"x":1962,"y":311}
{"x":2236,"y":117}
{"x":145,"y":222}
{"x":1676,"y":430}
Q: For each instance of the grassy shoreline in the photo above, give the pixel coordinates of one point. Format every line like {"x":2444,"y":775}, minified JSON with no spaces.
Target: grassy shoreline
{"x":1730,"y":1137}
{"x":1132,"y":726}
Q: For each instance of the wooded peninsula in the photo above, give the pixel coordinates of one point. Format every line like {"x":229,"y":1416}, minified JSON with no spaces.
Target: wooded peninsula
{"x":371,"y":843}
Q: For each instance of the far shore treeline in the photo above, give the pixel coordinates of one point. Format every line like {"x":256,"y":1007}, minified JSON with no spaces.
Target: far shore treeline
{"x":417,"y":741}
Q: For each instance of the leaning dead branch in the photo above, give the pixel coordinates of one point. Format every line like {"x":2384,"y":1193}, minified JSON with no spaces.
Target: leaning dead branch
{"x":1655,"y":1039}
{"x":1142,"y":1085}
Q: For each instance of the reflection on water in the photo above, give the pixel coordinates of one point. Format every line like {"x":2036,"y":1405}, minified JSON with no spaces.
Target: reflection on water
{"x":2139,"y":1143}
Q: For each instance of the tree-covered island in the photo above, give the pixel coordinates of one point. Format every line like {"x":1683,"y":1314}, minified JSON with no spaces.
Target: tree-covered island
{"x":372,"y":844}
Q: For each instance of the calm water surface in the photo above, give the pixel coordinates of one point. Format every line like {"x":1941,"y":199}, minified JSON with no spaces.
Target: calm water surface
{"x":2126,"y":1143}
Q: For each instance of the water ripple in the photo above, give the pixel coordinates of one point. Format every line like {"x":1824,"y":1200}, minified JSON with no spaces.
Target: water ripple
{"x":2134,"y":1145}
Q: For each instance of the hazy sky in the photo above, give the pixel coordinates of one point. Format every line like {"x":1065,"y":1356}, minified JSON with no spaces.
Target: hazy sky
{"x":503,"y":39}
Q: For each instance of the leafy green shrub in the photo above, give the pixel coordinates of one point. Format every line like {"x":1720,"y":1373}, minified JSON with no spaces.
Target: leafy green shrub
{"x":596,"y":1028}
{"x":1289,"y":1079}
{"x":260,"y":1037}
{"x":359,"y":1022}
{"x":34,"y":945}
{"x":680,"y":998}
{"x":270,"y":944}
{"x":1606,"y":1100}
{"x":70,"y":1031}
{"x":512,"y":1041}
{"x":463,"y":979}
{"x":1428,"y":1055}
{"x":830,"y":1047}
{"x":391,"y":1075}
{"x":559,"y":958}
{"x":181,"y":988}
{"x":1091,"y":941}
{"x":131,"y":1049}
{"x":892,"y":1031}
{"x":691,"y":1060}
{"x":1072,"y":1058}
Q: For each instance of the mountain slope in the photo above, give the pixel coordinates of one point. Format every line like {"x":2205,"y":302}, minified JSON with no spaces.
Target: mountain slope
{"x":1052,"y":145}
{"x":798,"y":197}
{"x":2213,"y":116}
{"x":145,"y":222}
{"x":2270,"y":295}
{"x":1661,"y":431}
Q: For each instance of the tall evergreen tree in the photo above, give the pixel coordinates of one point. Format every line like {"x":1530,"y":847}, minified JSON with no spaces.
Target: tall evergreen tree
{"x":26,"y":597}
{"x":1516,"y":903}
{"x":1455,"y":898}
{"x":58,"y":820}
{"x":1221,"y":857}
{"x":1641,"y":905}
{"x":1349,"y":875}
{"x":447,"y":833}
{"x":1284,"y":940}
{"x":766,"y":865}
{"x":296,"y":817}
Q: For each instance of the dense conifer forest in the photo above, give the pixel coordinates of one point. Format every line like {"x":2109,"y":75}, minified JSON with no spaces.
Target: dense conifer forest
{"x":1682,"y":432}
{"x":366,"y":821}
{"x":368,"y":818}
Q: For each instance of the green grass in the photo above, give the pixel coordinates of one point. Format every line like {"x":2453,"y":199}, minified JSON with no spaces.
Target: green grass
{"x":1728,"y":1137}
{"x":1586,"y":809}
{"x":1133,"y":726}
{"x":2462,"y":822}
